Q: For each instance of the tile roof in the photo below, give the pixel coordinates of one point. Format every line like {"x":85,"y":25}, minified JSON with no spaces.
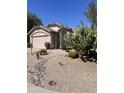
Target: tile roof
{"x":40,"y":27}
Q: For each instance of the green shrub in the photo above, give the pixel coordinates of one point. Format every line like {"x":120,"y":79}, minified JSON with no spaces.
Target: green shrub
{"x":47,"y":45}
{"x":84,"y":41}
{"x":73,"y":53}
{"x":62,"y":33}
{"x":67,"y":50}
{"x":43,"y":52}
{"x":93,"y":53}
{"x":68,"y":42}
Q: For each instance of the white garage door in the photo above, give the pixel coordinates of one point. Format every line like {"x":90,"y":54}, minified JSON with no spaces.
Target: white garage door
{"x":38,"y":42}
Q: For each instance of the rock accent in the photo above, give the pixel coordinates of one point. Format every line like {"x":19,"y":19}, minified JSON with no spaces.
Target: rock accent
{"x":37,"y":77}
{"x":52,"y":83}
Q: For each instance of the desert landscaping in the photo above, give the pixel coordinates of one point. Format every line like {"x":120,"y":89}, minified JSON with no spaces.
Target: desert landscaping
{"x":62,"y":46}
{"x":58,"y":72}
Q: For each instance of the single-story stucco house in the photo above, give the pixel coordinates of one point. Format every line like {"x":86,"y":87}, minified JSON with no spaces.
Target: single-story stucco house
{"x":38,"y":35}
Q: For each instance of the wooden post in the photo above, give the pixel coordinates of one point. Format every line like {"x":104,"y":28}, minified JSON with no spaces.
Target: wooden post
{"x":31,"y":45}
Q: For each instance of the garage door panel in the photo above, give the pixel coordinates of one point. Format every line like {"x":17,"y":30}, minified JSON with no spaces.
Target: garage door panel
{"x":38,"y":42}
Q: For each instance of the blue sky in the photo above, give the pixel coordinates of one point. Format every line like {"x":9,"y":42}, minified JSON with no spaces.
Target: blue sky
{"x":68,"y":12}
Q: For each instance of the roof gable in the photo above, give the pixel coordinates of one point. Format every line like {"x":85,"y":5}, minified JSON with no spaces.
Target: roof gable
{"x":38,"y":28}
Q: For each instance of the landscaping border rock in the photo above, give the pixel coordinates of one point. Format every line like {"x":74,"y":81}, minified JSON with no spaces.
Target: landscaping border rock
{"x":38,"y":76}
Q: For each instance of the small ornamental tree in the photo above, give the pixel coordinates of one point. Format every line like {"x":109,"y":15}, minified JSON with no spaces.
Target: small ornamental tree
{"x":91,"y":13}
{"x":32,"y":20}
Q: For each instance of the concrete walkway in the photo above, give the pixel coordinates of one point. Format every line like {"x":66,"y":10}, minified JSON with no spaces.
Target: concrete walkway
{"x":33,"y":89}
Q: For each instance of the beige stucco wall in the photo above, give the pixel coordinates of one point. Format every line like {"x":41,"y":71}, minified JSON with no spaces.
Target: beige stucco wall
{"x":38,"y":42}
{"x":39,"y":37}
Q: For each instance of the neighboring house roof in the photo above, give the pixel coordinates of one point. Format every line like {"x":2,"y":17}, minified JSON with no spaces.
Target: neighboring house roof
{"x":40,"y":27}
{"x":54,"y":24}
{"x":59,"y":25}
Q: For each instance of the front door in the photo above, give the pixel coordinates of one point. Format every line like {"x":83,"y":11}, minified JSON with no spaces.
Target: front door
{"x":55,"y":40}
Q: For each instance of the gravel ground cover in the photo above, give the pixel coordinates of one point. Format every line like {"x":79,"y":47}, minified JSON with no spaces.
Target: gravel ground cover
{"x":60,"y":73}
